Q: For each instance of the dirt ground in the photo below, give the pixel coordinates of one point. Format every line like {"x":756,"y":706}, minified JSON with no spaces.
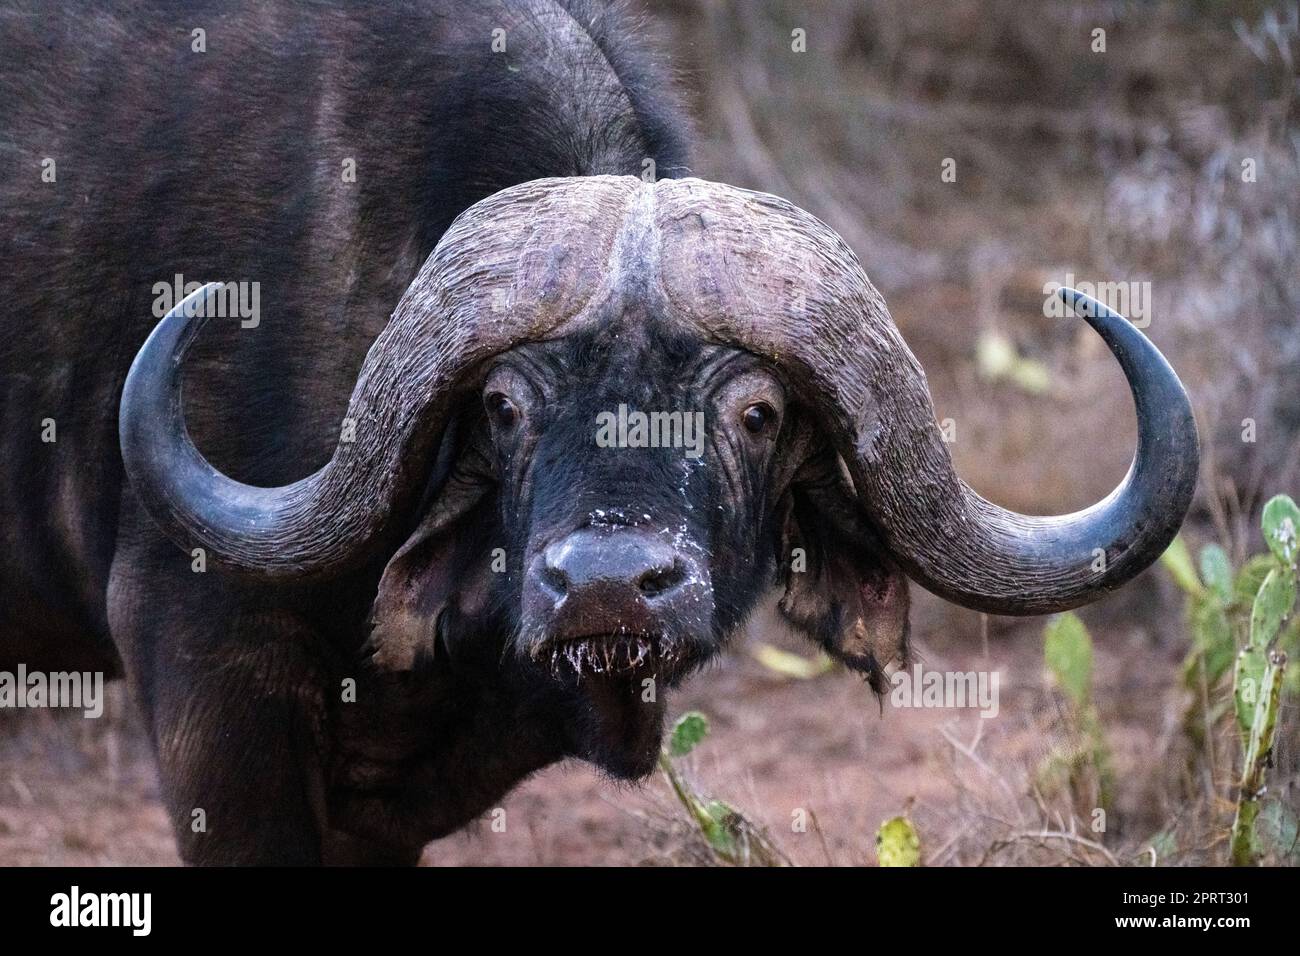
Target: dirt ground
{"x":78,"y":792}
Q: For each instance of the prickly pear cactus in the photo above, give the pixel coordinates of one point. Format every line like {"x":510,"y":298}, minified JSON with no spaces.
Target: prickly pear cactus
{"x":1272,"y":605}
{"x":897,"y":843}
{"x":1083,"y":764}
{"x":731,"y":837}
{"x":1258,"y":678}
{"x":1281,"y":525}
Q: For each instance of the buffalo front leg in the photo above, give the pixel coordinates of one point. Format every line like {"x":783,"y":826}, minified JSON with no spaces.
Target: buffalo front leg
{"x":233,"y":696}
{"x":239,"y":753}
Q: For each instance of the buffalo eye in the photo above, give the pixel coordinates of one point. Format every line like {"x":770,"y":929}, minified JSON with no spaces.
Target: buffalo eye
{"x":503,"y":412}
{"x":757,"y":417}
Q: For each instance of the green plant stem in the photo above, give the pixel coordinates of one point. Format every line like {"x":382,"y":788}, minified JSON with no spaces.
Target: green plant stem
{"x":693,"y":804}
{"x":1256,"y":760}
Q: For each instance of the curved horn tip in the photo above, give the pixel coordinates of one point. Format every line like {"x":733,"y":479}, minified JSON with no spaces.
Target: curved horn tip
{"x":1086,"y":306}
{"x":190,"y":305}
{"x":1133,"y":525}
{"x":175,"y":331}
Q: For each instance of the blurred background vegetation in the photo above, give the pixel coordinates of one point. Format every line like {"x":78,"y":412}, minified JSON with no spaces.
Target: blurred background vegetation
{"x":1123,"y":165}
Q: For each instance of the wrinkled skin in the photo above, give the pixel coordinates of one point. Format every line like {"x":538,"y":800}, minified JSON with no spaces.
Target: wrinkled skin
{"x":537,"y":476}
{"x":479,"y":644}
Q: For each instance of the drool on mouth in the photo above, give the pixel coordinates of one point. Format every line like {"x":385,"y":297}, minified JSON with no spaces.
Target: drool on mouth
{"x":616,"y":654}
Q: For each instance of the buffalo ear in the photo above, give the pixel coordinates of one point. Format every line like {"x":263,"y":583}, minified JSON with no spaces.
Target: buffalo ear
{"x":841,"y":589}
{"x":442,"y":570}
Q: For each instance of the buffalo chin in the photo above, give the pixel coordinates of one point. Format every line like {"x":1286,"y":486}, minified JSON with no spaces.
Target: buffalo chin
{"x":614,"y":728}
{"x":617,"y":716}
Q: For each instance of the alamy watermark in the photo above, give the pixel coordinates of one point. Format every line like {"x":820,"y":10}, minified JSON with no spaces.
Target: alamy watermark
{"x":83,"y":690}
{"x":231,"y":300}
{"x":934,"y":690}
{"x":1130,"y":299}
{"x":633,"y":429}
{"x":133,"y":911}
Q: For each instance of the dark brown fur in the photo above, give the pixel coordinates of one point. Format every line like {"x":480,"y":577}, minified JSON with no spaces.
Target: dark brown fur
{"x":229,"y":164}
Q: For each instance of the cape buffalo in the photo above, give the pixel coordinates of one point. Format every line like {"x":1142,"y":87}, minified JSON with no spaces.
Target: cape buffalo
{"x":597,"y":411}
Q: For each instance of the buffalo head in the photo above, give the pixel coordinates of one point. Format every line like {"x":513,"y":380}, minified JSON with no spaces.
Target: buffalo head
{"x":608,"y":416}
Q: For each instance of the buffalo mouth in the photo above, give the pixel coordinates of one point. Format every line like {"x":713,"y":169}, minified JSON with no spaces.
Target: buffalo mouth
{"x":619,"y":654}
{"x":612,"y":721}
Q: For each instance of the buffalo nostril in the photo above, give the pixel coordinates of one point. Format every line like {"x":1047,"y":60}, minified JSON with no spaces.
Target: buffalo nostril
{"x":555,"y":581}
{"x":595,"y":572}
{"x":658,"y":580}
